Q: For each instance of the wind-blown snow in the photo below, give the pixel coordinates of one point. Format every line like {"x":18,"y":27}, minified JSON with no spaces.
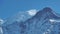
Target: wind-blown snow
{"x":32,"y":12}
{"x":1,"y":21}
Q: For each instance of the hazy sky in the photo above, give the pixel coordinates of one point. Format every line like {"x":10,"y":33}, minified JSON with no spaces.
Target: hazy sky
{"x":11,"y":7}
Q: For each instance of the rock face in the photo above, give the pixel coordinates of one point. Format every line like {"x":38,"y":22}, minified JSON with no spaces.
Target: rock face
{"x":44,"y":22}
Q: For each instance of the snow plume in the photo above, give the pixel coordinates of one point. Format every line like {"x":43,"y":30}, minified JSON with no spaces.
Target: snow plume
{"x":1,"y":21}
{"x":32,"y":12}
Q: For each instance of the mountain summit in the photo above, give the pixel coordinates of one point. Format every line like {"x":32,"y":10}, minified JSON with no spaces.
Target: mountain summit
{"x":48,"y":12}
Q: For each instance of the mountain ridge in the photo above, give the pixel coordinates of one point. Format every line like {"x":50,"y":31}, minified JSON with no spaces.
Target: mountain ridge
{"x":38,"y":24}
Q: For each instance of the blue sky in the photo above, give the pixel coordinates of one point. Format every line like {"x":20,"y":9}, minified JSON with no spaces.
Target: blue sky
{"x":11,"y":7}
